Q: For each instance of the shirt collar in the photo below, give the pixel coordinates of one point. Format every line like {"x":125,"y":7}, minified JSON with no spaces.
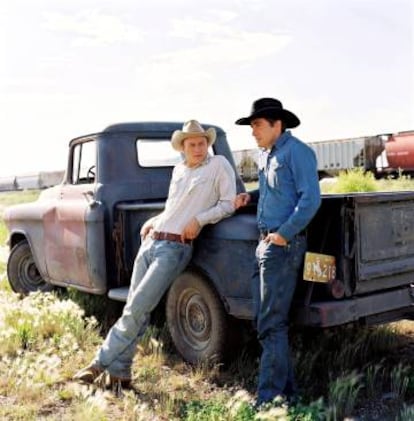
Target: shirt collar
{"x":281,"y":140}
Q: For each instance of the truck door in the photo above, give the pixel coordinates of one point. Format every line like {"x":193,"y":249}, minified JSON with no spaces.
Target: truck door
{"x":74,"y":226}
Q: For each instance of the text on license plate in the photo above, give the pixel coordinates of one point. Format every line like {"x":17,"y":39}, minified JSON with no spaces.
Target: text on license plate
{"x":319,"y":267}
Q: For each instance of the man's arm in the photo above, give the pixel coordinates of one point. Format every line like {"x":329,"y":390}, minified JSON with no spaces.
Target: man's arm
{"x":304,"y":167}
{"x":243,"y":199}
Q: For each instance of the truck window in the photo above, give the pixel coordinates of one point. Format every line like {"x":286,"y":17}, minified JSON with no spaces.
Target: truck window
{"x":84,"y":163}
{"x":157,"y":153}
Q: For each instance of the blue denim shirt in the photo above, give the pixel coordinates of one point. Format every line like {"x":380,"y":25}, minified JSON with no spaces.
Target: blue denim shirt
{"x":289,"y":193}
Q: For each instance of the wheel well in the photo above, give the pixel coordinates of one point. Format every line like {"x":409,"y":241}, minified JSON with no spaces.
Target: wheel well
{"x":16,"y":238}
{"x":209,"y":279}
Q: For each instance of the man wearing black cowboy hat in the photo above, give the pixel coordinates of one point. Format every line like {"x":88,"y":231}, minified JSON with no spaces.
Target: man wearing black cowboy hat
{"x":288,"y":197}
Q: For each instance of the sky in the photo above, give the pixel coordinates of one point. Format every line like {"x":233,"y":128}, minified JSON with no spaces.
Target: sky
{"x":73,"y":67}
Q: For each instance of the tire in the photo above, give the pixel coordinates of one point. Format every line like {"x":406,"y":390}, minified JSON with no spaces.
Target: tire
{"x":22,"y":272}
{"x":196,"y":319}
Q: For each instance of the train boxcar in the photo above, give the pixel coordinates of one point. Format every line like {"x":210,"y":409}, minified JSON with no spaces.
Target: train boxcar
{"x":50,"y":178}
{"x":344,"y":154}
{"x":28,"y":182}
{"x":8,"y":183}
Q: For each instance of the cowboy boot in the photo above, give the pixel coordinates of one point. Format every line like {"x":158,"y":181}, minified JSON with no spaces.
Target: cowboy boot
{"x":88,"y":374}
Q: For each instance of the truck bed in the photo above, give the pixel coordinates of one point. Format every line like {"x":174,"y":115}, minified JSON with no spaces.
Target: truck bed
{"x":370,"y":235}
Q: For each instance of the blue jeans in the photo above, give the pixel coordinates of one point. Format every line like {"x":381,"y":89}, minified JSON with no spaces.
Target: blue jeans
{"x":156,"y":266}
{"x":274,"y":283}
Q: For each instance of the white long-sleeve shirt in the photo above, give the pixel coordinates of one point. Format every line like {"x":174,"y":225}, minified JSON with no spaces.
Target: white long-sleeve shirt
{"x":205,"y":192}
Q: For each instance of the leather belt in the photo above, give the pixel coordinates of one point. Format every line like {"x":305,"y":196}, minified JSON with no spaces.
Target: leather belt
{"x":169,"y":236}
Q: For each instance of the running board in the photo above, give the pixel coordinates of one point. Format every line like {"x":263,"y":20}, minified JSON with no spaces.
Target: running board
{"x":118,"y":294}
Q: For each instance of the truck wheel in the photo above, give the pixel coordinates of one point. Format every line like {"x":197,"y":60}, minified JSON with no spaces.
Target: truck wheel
{"x":196,"y":319}
{"x":22,"y":271}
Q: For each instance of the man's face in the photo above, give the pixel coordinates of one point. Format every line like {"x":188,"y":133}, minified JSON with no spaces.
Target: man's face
{"x":195,"y":150}
{"x":264,"y":133}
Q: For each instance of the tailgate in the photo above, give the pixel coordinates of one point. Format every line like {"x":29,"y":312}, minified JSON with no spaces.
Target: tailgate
{"x":384,"y":234}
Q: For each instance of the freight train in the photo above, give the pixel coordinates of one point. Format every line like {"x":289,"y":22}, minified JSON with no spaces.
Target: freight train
{"x":41,"y":180}
{"x":383,"y":154}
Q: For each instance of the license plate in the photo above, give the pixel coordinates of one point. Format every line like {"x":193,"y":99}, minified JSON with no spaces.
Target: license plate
{"x":319,"y":267}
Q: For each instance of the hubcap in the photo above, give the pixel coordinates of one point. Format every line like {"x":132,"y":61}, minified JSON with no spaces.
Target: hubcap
{"x":30,"y":275}
{"x":195,"y":320}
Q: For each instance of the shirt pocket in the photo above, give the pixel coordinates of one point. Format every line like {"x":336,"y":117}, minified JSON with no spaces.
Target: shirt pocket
{"x":275,"y":173}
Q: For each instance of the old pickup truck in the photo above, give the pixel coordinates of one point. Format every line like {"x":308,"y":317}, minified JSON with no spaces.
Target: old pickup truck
{"x":84,"y":234}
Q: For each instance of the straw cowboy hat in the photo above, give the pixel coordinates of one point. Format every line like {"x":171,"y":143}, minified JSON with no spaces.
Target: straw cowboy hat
{"x":192,"y":128}
{"x":272,"y":108}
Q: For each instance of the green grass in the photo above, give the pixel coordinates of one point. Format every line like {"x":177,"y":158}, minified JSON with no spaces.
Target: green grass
{"x":15,"y":197}
{"x":4,"y":283}
{"x":8,"y":199}
{"x":357,"y":181}
{"x":3,"y":232}
{"x":252,"y":185}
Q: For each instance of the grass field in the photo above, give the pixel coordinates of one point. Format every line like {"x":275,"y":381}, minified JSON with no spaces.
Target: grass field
{"x":45,"y":338}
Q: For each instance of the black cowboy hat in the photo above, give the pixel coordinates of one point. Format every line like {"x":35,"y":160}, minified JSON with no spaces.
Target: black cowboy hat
{"x":272,"y":108}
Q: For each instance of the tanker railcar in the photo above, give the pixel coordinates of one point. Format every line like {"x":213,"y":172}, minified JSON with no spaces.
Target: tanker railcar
{"x":400,"y":151}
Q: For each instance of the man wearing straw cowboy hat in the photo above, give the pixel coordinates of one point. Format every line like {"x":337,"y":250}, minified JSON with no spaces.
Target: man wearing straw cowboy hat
{"x":288,"y":197}
{"x":202,"y":191}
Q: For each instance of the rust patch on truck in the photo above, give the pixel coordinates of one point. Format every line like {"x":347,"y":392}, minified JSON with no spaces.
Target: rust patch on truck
{"x":65,"y":245}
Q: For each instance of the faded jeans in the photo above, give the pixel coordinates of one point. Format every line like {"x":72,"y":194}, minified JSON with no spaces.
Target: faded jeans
{"x":157,"y":264}
{"x":274,"y":283}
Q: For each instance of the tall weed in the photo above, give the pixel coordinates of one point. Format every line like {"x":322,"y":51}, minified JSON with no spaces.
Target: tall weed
{"x":373,"y":381}
{"x":358,"y":181}
{"x":399,"y":381}
{"x":343,"y":393}
{"x":3,"y":233}
{"x":4,"y":283}
{"x":332,"y":352}
{"x":355,"y":180}
{"x":406,"y":413}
